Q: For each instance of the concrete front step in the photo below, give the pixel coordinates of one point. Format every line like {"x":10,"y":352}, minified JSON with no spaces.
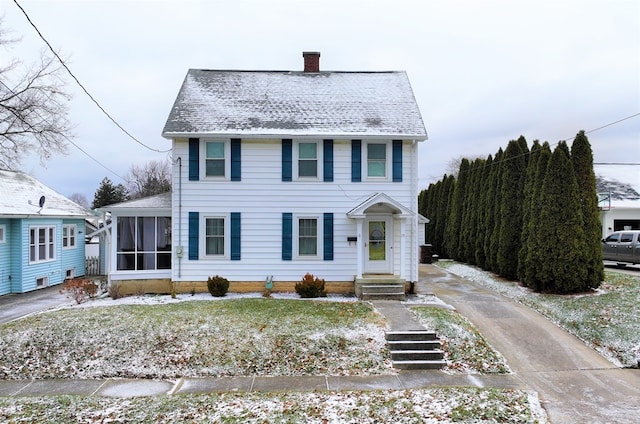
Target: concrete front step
{"x":414,"y":344}
{"x":416,"y":355}
{"x":411,"y":350}
{"x":411,"y":335}
{"x":419,"y":365}
{"x":389,"y":287}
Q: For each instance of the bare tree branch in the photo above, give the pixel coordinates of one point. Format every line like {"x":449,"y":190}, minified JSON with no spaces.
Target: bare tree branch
{"x":33,"y":109}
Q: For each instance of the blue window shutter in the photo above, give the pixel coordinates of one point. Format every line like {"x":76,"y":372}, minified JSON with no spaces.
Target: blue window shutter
{"x":287,"y":235}
{"x":327,"y":159}
{"x":287,"y":162}
{"x":194,"y":231}
{"x":235,"y":236}
{"x":356,"y":161}
{"x":328,"y":236}
{"x":236,"y":163}
{"x":194,"y":159}
{"x":397,"y":161}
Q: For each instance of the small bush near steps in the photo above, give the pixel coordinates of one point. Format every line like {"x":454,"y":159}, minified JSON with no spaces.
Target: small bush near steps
{"x":311,"y":286}
{"x":217,"y":286}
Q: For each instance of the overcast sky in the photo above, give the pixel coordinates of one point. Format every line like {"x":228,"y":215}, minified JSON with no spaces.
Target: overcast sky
{"x":483,"y":72}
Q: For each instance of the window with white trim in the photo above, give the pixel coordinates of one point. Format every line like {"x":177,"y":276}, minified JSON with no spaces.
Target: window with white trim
{"x":215,"y":240}
{"x":377,"y":162}
{"x":307,"y":160}
{"x":42,"y":244}
{"x":69,"y":236}
{"x":216,"y":159}
{"x":307,"y":231}
{"x":3,"y":233}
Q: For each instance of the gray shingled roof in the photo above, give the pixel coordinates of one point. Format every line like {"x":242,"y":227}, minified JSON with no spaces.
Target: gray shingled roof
{"x":158,"y":201}
{"x":20,"y":196}
{"x":323,"y":104}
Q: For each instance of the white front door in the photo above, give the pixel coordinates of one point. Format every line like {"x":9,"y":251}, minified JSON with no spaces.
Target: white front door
{"x":377,"y":247}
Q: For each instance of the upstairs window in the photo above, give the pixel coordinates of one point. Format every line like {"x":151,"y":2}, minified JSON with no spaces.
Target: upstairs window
{"x":376,"y":160}
{"x":307,"y":160}
{"x":3,"y":233}
{"x":215,"y":165}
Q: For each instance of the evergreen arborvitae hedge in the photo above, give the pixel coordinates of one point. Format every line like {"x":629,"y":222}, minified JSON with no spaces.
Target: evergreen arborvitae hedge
{"x":512,"y":197}
{"x":527,"y":207}
{"x":561,"y":236}
{"x":536,"y":245}
{"x":526,"y":215}
{"x":582,"y":159}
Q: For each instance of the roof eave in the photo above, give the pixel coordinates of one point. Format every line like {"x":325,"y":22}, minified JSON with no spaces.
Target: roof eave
{"x":262,"y":135}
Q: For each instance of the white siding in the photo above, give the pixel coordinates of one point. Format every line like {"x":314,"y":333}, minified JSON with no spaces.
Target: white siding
{"x":261,"y":198}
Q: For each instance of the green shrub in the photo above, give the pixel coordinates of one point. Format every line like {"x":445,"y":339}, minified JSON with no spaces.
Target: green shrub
{"x":217,"y":286}
{"x":311,"y":286}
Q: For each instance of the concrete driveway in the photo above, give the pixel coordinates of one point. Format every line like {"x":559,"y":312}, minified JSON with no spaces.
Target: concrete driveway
{"x":14,"y":306}
{"x":575,"y":383}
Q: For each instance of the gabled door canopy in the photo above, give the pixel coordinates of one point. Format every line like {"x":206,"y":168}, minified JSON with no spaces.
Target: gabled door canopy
{"x":380,"y":203}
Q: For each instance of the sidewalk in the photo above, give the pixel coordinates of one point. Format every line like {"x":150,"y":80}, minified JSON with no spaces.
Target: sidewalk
{"x":132,"y":388}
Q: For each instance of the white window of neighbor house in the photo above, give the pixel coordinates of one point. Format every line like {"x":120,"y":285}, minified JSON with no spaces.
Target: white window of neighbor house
{"x":69,"y":236}
{"x":376,"y":160}
{"x":3,"y":233}
{"x":42,"y":244}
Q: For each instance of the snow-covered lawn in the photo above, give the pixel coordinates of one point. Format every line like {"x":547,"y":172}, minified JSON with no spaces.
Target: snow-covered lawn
{"x":607,"y":319}
{"x":194,"y":336}
{"x":409,"y":406}
{"x":173,"y":338}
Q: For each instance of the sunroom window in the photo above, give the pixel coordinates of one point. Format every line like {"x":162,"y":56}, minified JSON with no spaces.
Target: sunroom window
{"x":144,"y":243}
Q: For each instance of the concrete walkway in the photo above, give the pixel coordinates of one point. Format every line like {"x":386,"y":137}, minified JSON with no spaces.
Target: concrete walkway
{"x":575,"y":383}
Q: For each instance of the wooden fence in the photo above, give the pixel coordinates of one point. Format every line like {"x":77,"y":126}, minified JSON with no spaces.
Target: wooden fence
{"x":92,"y":265}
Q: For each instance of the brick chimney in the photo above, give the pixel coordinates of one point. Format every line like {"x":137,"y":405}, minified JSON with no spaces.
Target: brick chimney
{"x":311,"y":61}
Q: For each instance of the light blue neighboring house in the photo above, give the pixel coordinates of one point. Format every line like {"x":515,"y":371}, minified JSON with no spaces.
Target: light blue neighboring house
{"x":41,"y":235}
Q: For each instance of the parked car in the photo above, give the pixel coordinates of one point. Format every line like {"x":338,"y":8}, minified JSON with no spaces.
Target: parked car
{"x":622,"y":247}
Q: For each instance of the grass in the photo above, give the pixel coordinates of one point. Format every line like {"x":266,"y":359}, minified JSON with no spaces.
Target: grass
{"x":465,"y":349}
{"x":442,"y":405}
{"x":607,"y":319}
{"x":234,"y":337}
{"x":197,"y":338}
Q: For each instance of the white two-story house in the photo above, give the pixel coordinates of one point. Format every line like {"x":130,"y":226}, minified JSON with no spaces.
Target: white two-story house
{"x":281,"y":173}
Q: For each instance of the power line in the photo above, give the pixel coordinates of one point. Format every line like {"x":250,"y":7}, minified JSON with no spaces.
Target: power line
{"x":565,"y":140}
{"x":68,"y":139}
{"x":82,"y":86}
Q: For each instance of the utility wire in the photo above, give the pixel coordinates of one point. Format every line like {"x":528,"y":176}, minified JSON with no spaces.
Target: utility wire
{"x":68,"y":139}
{"x":565,"y":140}
{"x":82,"y":86}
